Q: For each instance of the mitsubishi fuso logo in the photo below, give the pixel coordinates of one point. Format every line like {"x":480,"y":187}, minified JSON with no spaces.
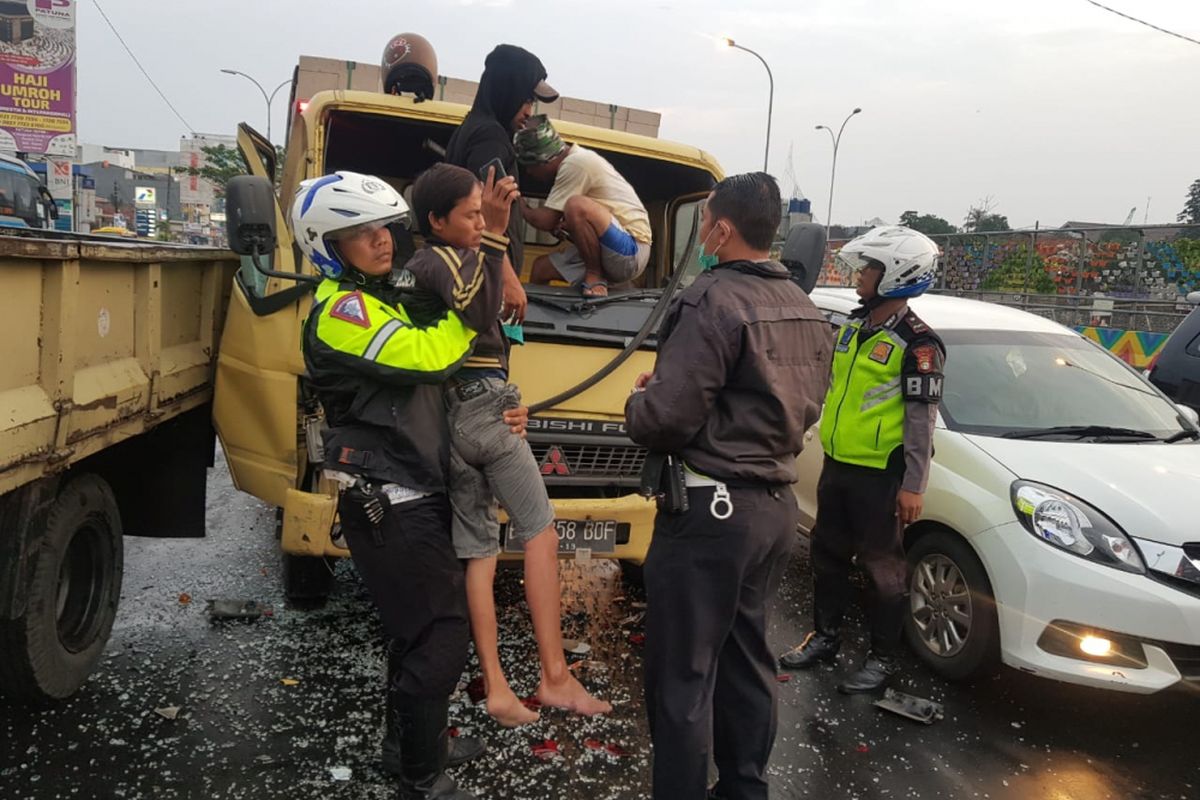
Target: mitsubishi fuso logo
{"x":555,"y":463}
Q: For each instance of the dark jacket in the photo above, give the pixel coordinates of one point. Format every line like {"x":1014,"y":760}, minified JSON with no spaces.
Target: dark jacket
{"x":378,"y":377}
{"x":509,"y":75}
{"x":468,"y":283}
{"x":743,"y":365}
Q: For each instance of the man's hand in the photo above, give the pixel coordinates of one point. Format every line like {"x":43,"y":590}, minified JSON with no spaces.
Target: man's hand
{"x":909,"y":506}
{"x":515,"y":300}
{"x":516,"y":419}
{"x":640,"y":384}
{"x":498,"y":197}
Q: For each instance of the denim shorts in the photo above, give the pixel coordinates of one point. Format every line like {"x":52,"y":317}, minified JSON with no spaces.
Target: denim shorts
{"x":490,"y":464}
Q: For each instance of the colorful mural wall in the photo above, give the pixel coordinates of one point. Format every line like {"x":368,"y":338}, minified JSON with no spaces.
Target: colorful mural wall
{"x":1139,"y":349}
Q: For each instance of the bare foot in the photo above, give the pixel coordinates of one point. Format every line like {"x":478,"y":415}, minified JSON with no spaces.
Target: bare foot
{"x":571,"y":695}
{"x":508,"y":710}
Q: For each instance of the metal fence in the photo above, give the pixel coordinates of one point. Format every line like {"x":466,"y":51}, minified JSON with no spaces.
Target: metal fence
{"x":1127,"y":278}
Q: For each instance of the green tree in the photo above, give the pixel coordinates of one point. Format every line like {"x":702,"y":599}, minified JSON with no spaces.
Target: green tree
{"x":982,"y":218}
{"x":1191,"y":208}
{"x":223,"y":163}
{"x":928,"y":224}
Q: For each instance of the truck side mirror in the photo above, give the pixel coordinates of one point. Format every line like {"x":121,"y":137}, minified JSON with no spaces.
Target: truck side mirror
{"x":250,"y":215}
{"x":804,"y":254}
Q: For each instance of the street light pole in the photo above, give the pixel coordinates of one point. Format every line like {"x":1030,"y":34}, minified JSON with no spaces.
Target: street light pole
{"x":837,"y":140}
{"x":770,"y":96}
{"x":268,"y":98}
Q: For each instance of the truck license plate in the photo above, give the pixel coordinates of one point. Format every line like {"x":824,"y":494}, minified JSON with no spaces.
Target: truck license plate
{"x":597,"y":535}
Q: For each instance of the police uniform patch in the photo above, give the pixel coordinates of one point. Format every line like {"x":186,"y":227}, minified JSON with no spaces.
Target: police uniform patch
{"x":845,"y":338}
{"x":881,"y":352}
{"x":353,"y":309}
{"x":926,"y":358}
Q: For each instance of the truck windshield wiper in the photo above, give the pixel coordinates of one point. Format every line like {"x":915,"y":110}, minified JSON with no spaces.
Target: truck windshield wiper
{"x":1186,"y":433}
{"x":1079,"y":431}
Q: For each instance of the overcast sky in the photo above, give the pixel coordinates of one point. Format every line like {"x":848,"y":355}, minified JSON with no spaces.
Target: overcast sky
{"x":1054,"y":108}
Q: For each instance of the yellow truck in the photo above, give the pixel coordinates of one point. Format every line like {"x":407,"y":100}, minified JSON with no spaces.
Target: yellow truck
{"x":268,"y":423}
{"x":106,"y":386}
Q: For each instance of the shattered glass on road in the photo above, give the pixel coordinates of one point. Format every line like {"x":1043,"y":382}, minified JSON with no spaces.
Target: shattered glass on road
{"x":289,"y":705}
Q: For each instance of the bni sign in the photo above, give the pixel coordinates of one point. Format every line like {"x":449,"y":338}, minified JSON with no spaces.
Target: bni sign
{"x":144,"y":196}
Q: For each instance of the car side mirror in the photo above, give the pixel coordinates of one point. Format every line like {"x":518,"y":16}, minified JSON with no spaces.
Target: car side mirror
{"x":1194,"y":298}
{"x":804,"y":254}
{"x":250,"y":215}
{"x":1189,"y":413}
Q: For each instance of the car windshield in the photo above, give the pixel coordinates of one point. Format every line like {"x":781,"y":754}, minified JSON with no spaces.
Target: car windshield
{"x":1010,"y":382}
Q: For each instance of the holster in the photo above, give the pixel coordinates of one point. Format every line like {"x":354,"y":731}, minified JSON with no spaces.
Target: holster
{"x":662,"y":479}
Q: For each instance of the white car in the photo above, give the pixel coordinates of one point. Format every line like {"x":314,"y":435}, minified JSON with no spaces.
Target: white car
{"x":1061,"y":530}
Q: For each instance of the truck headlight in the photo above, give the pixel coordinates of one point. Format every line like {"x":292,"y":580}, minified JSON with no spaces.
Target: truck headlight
{"x":1065,"y":521}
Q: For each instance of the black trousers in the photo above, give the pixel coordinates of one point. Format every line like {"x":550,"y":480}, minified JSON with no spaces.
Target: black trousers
{"x":710,"y":676}
{"x":856,"y":516}
{"x":419,"y":587}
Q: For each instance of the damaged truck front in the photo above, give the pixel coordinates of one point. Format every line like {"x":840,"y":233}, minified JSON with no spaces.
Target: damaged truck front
{"x":575,"y":370}
{"x":105,"y":430}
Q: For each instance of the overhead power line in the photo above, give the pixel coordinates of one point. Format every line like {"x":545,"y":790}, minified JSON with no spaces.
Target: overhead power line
{"x":139,"y":66}
{"x":1143,"y":22}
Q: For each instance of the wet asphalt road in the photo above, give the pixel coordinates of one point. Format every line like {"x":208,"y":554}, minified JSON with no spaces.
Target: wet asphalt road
{"x":241,"y":732}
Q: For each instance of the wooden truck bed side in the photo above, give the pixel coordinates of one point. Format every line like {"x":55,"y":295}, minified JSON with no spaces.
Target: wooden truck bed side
{"x":101,"y":342}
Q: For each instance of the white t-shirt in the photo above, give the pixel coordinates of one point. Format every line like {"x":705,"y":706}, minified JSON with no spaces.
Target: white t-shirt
{"x":588,"y":173}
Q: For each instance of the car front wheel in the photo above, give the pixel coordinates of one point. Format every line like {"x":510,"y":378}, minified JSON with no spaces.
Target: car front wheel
{"x":951,"y":623}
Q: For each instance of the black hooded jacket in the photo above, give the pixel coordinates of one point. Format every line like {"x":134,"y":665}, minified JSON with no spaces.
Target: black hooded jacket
{"x":509,"y":75}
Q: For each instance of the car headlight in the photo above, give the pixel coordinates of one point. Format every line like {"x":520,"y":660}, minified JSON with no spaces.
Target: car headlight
{"x":1070,"y":524}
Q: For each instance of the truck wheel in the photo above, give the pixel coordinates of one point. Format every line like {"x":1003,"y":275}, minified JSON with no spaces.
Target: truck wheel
{"x":76,"y":584}
{"x":307,"y":581}
{"x":633,"y":575}
{"x":951,"y":622}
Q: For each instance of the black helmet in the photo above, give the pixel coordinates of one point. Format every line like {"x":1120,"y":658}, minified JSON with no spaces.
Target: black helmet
{"x":409,"y":65}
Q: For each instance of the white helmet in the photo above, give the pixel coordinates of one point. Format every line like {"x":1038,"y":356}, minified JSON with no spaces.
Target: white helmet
{"x":909,"y":259}
{"x":334,"y":206}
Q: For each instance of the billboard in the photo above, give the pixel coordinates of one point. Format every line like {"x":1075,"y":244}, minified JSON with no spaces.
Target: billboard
{"x":145,"y":196}
{"x":37,"y":76}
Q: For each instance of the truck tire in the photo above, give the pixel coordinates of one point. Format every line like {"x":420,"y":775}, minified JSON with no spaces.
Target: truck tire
{"x":50,"y":650}
{"x":307,"y":581}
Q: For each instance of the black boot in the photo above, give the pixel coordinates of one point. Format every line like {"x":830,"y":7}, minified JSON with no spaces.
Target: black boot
{"x":819,"y":645}
{"x":874,"y":674}
{"x":460,"y":749}
{"x":423,"y":749}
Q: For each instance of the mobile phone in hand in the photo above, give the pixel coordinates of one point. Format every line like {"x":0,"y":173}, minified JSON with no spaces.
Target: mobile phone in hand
{"x":499,"y":167}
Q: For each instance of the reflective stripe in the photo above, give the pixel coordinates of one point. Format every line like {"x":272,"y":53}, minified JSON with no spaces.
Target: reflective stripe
{"x":894,"y":383}
{"x":870,"y":402}
{"x":381,"y":338}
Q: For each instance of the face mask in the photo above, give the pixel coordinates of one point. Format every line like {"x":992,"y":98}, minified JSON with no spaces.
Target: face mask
{"x":708,"y":260}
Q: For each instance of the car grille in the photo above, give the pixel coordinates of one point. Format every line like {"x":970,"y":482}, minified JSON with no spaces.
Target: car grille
{"x":1186,"y":659}
{"x":599,"y":463}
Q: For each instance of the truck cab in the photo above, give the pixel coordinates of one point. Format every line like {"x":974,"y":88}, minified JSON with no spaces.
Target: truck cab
{"x":572,"y":370}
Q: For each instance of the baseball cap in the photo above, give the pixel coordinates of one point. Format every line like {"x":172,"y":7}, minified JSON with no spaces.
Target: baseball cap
{"x":537,"y":142}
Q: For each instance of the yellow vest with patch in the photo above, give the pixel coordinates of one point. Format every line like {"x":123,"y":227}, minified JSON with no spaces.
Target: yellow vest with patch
{"x":863,"y":419}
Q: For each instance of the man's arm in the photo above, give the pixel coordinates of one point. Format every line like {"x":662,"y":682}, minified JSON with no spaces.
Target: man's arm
{"x":922,"y":383}
{"x":362,"y":335}
{"x":690,"y":371}
{"x":542,"y":218}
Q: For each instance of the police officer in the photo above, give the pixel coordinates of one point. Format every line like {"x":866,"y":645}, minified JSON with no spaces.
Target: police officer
{"x":377,"y":376}
{"x":743,"y":361}
{"x":877,"y":432}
